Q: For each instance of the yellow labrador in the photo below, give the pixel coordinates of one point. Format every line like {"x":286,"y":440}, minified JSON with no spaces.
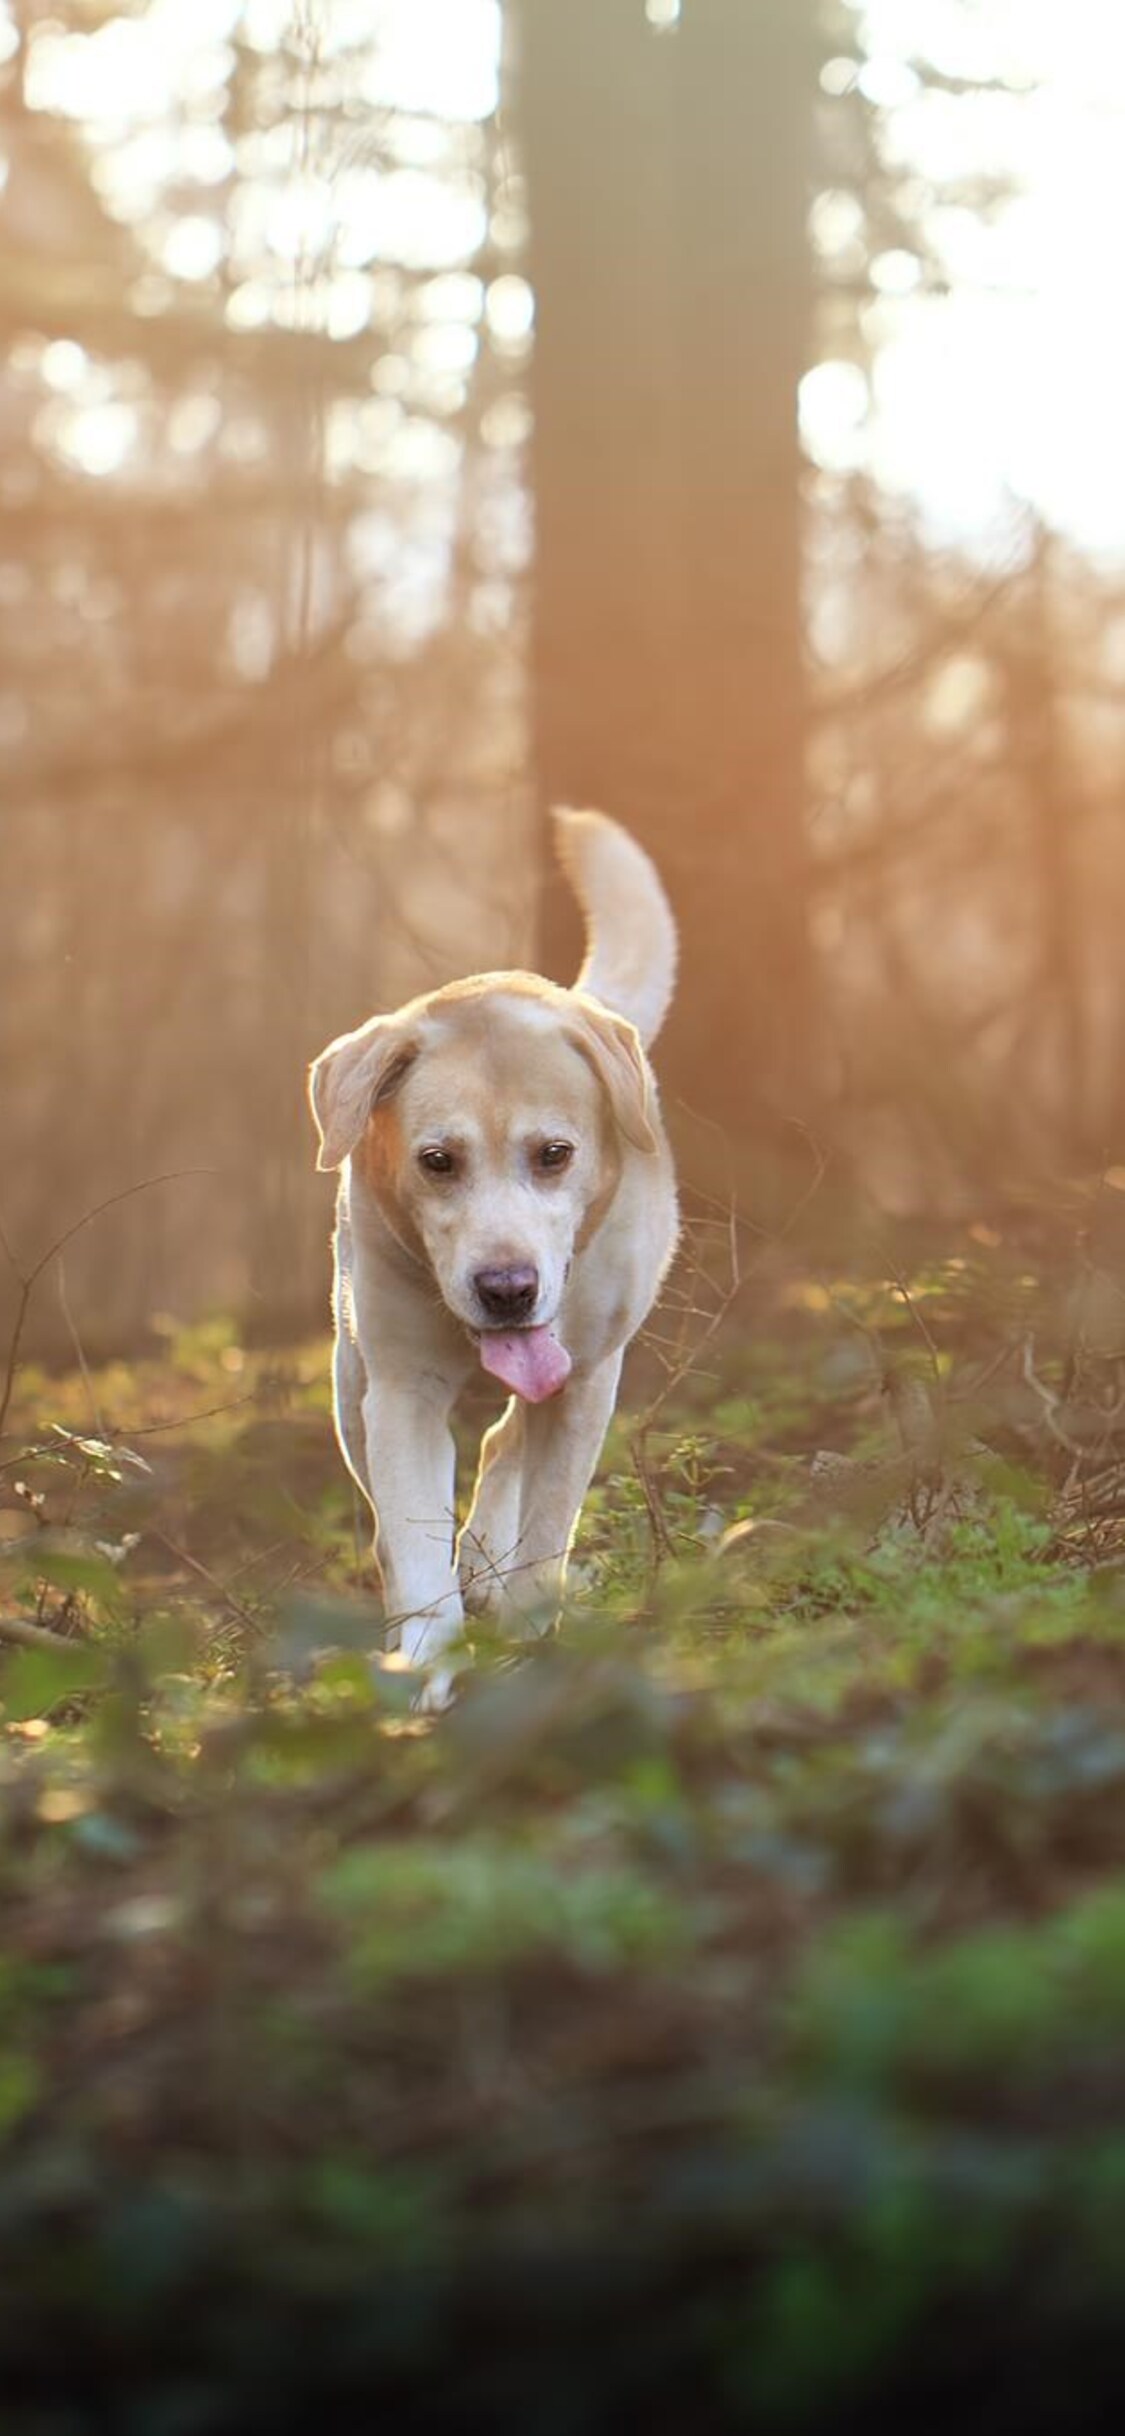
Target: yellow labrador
{"x":506,"y":1197}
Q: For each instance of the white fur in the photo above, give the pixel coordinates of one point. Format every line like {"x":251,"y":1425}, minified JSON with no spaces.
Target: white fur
{"x":631,"y":952}
{"x":494,"y":1067}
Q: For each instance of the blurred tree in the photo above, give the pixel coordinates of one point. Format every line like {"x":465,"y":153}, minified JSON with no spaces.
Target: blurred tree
{"x":264,"y":339}
{"x":668,"y":158}
{"x":721,"y":198}
{"x":253,"y":613}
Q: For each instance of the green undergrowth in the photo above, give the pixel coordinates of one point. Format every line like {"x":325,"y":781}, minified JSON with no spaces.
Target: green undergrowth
{"x":718,"y":2013}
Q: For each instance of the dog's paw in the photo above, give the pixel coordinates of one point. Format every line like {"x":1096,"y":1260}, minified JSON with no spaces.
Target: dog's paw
{"x":483,"y":1593}
{"x":437,"y":1692}
{"x":523,"y":1603}
{"x":424,"y":1640}
{"x":436,"y":1656}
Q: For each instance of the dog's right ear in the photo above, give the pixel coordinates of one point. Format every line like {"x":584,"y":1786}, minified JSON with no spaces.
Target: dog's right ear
{"x":350,"y":1078}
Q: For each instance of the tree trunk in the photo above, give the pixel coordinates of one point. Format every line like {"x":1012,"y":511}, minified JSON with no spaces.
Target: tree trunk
{"x":668,"y":178}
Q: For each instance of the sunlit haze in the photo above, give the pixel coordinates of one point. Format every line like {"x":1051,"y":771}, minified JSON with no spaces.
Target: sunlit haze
{"x":1013,"y":383}
{"x":1008,"y":387}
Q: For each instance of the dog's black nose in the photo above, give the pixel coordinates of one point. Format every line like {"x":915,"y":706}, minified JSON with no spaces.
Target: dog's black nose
{"x":507,"y":1296}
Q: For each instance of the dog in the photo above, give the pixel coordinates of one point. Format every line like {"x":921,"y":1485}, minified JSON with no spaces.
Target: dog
{"x":507,"y":1199}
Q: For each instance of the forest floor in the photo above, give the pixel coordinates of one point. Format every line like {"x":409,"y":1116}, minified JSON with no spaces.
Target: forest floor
{"x":717,"y":2013}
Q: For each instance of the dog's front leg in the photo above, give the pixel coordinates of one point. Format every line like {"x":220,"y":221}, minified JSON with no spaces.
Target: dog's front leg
{"x":561,"y":1444}
{"x":489,"y":1541}
{"x":410,"y":1457}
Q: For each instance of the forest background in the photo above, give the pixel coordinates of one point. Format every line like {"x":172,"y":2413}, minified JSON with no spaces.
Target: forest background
{"x":415,"y":413}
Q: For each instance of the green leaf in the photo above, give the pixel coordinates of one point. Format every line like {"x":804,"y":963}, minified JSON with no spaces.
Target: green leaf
{"x":167,"y":1645}
{"x":19,"y":2089}
{"x":38,"y":1680}
{"x":97,"y":1455}
{"x":313,"y":1622}
{"x":348,"y":1675}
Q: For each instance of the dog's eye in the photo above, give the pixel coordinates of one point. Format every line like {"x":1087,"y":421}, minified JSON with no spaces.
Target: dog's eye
{"x":555,"y":1155}
{"x":436,"y":1162}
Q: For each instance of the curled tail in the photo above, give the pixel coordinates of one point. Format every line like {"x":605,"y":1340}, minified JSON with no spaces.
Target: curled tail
{"x":630,"y":961}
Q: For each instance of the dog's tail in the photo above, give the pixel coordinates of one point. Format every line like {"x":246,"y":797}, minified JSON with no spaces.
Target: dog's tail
{"x":630,"y":961}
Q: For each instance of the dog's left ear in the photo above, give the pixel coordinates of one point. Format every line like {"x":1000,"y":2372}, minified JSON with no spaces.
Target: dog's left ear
{"x":612,"y":1046}
{"x":350,"y":1077}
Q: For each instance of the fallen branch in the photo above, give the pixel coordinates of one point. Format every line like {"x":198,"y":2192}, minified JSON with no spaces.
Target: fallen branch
{"x":32,"y":1636}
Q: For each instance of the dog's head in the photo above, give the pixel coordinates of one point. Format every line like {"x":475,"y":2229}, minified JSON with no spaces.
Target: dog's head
{"x":490,"y":1121}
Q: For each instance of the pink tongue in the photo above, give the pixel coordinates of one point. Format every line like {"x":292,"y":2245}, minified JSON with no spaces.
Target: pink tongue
{"x":530,"y":1361}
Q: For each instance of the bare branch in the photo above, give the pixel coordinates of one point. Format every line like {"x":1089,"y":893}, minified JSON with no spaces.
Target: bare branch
{"x":30,"y":1279}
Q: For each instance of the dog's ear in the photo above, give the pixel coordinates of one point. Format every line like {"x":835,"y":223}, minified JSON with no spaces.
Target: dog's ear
{"x":350,"y":1078}
{"x":612,"y":1046}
